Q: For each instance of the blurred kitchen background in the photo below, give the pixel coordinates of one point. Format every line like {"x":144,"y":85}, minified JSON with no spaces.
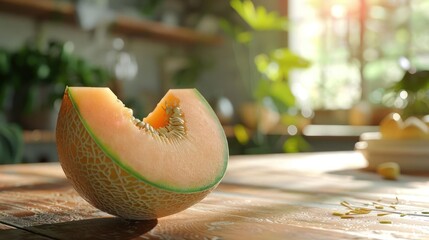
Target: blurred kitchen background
{"x":282,"y":75}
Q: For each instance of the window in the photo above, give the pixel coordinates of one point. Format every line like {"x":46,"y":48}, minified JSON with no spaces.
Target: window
{"x":357,"y":48}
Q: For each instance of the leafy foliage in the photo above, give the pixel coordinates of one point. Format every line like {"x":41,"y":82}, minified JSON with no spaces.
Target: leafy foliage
{"x":258,"y":17}
{"x":416,"y":85}
{"x":274,"y":68}
{"x":413,"y":82}
{"x":235,"y":32}
{"x":11,"y":143}
{"x":29,"y":67}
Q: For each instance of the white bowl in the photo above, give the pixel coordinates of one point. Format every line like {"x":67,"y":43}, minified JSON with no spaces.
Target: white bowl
{"x":412,"y":155}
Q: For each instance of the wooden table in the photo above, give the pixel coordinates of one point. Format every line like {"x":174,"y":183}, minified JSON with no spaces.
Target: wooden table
{"x":286,"y":196}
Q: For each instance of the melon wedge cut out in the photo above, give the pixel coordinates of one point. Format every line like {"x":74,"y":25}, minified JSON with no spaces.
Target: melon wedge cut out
{"x":138,"y":169}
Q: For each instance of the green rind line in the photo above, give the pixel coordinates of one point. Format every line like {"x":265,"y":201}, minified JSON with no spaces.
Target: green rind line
{"x":134,"y":173}
{"x":221,"y":130}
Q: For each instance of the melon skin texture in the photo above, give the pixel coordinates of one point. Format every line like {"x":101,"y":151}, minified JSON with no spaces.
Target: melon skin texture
{"x":110,"y":184}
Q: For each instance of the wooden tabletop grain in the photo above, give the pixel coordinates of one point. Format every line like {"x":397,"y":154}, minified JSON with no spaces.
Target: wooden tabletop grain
{"x":284,"y":196}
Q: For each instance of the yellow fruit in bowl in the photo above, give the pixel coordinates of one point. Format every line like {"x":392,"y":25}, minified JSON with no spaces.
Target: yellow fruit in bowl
{"x":414,"y":128}
{"x":389,"y":170}
{"x":391,"y":126}
{"x":425,"y":119}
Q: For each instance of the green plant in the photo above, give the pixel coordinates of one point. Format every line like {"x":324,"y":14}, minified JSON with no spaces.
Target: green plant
{"x":273,"y":66}
{"x":26,"y":70}
{"x":413,"y":89}
{"x":11,"y":143}
{"x":258,"y":17}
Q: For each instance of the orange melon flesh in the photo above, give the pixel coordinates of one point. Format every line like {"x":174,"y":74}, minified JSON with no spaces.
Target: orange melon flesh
{"x":123,"y":170}
{"x":159,"y":118}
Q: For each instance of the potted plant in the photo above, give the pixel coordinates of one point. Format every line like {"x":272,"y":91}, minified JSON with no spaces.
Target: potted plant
{"x":34,"y":78}
{"x":267,"y":77}
{"x":411,"y":93}
{"x":11,"y":142}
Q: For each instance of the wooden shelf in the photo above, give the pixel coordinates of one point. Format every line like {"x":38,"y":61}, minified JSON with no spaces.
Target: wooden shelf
{"x":40,"y":9}
{"x":51,"y":10}
{"x":154,"y":30}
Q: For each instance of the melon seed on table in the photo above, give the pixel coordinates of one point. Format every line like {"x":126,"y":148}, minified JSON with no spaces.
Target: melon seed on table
{"x":285,"y":196}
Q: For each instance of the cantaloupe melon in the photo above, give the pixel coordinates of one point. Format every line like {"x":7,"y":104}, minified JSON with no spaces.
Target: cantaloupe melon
{"x":138,"y":169}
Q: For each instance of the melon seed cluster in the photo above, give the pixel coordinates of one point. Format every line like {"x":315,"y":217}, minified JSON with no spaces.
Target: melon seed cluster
{"x":394,"y":127}
{"x":175,"y":129}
